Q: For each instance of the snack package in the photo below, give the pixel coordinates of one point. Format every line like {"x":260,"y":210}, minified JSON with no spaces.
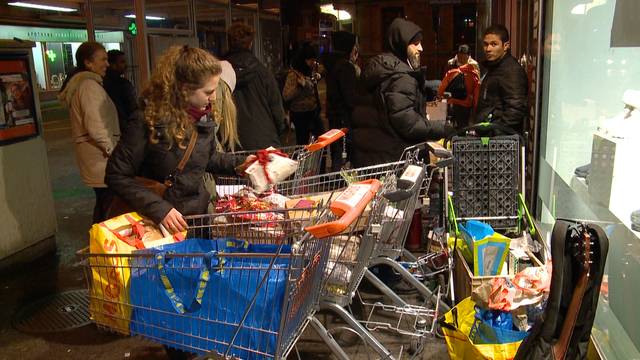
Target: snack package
{"x":270,"y":167}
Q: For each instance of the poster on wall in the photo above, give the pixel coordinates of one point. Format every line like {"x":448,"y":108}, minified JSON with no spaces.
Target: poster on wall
{"x":17,"y":103}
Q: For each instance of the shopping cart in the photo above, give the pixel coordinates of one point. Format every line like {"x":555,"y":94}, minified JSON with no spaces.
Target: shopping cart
{"x":488,"y":183}
{"x":391,"y":212}
{"x":349,"y":254}
{"x":307,"y":232}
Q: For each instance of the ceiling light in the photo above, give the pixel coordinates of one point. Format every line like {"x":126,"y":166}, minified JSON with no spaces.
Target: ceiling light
{"x":339,"y":14}
{"x":42,"y":7}
{"x":148,"y":17}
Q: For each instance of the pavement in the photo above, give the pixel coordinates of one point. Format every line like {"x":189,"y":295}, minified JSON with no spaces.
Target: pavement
{"x":60,"y":271}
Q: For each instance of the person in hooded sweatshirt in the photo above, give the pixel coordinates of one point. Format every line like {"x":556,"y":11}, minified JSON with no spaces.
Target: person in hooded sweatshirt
{"x":94,"y":121}
{"x":342,"y":91}
{"x":257,"y":94}
{"x":396,"y":116}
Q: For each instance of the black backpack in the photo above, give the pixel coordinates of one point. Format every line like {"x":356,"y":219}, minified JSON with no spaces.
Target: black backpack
{"x":457,"y":87}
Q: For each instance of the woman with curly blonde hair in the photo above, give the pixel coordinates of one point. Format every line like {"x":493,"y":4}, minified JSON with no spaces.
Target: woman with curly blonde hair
{"x":176,"y":107}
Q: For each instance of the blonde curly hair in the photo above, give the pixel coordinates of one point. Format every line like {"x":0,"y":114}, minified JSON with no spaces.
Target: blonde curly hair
{"x":179,"y":71}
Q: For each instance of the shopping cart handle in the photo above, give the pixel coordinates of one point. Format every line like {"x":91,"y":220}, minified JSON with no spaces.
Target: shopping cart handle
{"x":348,"y":206}
{"x":326,"y":139}
{"x":397,"y":195}
{"x":439,"y":151}
{"x":411,"y":179}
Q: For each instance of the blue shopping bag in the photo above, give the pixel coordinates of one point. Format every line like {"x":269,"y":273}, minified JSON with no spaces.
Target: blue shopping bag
{"x":494,"y":327}
{"x":194,"y":302}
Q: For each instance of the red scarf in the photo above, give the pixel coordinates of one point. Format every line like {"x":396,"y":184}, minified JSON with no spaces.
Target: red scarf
{"x":197,"y":114}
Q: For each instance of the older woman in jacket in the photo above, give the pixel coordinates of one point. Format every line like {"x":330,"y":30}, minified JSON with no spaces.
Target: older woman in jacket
{"x":176,"y":108}
{"x":94,"y":121}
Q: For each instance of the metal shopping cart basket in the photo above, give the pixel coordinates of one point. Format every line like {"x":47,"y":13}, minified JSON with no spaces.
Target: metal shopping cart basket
{"x":309,"y":157}
{"x":238,"y":325}
{"x":488,"y":183}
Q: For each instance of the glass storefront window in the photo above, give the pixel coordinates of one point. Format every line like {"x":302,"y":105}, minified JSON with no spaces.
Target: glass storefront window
{"x":167,"y":15}
{"x":591,"y":62}
{"x":211,"y":24}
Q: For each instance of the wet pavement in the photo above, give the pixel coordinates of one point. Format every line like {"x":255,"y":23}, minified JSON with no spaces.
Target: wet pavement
{"x":60,"y":271}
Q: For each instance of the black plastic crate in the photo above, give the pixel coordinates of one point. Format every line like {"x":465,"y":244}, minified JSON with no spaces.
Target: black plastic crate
{"x":486,"y":178}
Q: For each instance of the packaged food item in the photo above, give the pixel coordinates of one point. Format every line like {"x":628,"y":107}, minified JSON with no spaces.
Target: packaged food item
{"x":270,"y":167}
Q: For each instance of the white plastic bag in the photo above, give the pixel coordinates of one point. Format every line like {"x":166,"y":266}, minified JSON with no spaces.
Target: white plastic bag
{"x":277,"y":168}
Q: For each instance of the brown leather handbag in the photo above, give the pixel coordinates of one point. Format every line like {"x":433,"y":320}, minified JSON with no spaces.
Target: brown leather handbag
{"x":119,"y":206}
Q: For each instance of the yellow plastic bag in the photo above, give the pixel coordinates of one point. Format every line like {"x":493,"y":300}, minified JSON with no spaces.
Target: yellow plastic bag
{"x":456,"y":330}
{"x":109,"y":293}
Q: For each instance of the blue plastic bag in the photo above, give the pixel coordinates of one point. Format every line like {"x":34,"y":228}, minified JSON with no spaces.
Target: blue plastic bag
{"x":194,"y":303}
{"x":494,"y":327}
{"x":487,"y":250}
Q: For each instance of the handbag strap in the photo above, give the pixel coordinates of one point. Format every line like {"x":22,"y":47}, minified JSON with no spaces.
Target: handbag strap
{"x":187,"y":154}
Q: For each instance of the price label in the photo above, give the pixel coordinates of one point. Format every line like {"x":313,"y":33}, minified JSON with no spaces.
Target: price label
{"x":353,"y":194}
{"x":411,"y":173}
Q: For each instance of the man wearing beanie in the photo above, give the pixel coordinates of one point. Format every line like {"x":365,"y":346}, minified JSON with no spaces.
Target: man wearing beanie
{"x":396,"y":117}
{"x":342,"y":95}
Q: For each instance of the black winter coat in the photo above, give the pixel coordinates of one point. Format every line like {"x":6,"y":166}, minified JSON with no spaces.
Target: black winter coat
{"x":123,"y":94}
{"x":396,"y":117}
{"x":503,"y":95}
{"x":259,"y":102}
{"x":136,"y":156}
{"x":342,"y":92}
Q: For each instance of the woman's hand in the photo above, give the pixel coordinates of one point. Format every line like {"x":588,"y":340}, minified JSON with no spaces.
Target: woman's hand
{"x":174,"y":222}
{"x":240,"y":169}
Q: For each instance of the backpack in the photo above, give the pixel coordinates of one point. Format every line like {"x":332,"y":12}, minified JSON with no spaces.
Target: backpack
{"x":281,"y":79}
{"x":457,"y":87}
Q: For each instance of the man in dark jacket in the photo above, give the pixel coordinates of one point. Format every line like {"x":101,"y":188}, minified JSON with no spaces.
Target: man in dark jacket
{"x":342,"y":95}
{"x":257,"y":94}
{"x":397,"y":117}
{"x":120,"y":89}
{"x":503,"y":90}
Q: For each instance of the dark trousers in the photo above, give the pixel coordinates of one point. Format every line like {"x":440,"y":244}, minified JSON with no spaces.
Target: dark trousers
{"x":460,"y":116}
{"x":104,"y":196}
{"x":340,"y":147}
{"x":307,"y":123}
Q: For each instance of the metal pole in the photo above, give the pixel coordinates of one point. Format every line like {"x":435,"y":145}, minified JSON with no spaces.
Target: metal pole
{"x":140,"y":46}
{"x":88,"y":13}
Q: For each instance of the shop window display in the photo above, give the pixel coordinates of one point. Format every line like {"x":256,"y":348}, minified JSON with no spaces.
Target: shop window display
{"x":590,"y":138}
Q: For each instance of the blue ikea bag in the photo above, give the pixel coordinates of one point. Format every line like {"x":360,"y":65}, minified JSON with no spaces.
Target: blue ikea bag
{"x":195,"y":302}
{"x":494,"y":327}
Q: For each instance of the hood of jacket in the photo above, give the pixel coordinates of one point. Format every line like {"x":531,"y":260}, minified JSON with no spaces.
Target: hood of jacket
{"x":383,"y":66}
{"x":66,"y":95}
{"x":399,"y":36}
{"x":246,"y":66}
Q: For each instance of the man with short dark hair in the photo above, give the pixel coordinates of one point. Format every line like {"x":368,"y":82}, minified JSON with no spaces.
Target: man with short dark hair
{"x":503,"y":90}
{"x":257,"y":94}
{"x":120,"y":90}
{"x":463,"y":57}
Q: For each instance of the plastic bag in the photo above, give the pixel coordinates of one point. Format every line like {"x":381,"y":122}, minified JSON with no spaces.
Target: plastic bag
{"x":489,"y":249}
{"x":457,"y":324}
{"x":195,"y":302}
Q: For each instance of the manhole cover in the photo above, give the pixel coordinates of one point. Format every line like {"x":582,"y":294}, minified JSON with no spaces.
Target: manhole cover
{"x":59,"y":312}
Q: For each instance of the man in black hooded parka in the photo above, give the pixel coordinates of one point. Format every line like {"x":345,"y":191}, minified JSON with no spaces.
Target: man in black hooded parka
{"x":396,"y":116}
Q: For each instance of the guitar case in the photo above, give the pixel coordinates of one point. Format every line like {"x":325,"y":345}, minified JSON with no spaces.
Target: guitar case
{"x":567,"y":268}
